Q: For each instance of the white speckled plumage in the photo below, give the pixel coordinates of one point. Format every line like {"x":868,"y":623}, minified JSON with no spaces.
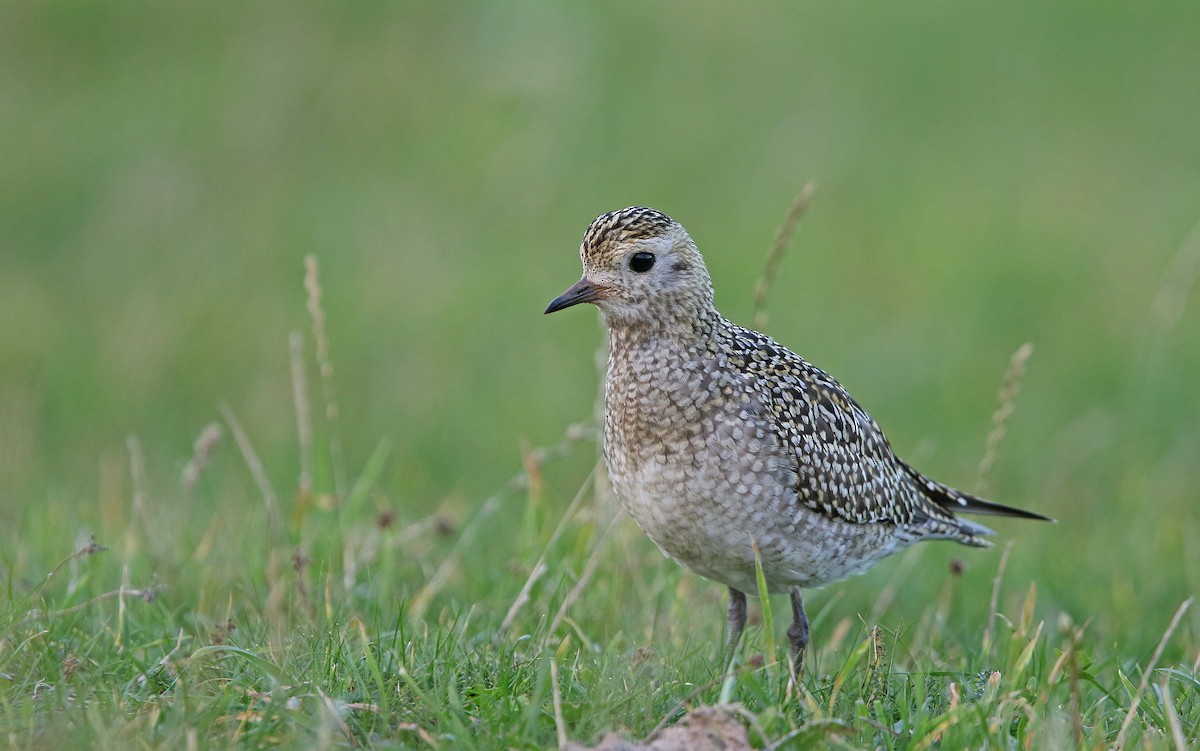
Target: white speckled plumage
{"x":718,"y":438}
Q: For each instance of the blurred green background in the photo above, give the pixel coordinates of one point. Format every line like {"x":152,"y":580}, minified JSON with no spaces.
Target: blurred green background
{"x":989,"y":174}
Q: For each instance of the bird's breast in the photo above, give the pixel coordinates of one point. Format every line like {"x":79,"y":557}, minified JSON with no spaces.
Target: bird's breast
{"x":691,"y":456}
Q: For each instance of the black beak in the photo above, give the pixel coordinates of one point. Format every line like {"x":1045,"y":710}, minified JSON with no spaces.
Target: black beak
{"x":581,"y":291}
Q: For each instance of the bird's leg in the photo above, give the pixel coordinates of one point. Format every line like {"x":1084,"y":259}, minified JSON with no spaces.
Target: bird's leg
{"x":735,"y":624}
{"x":798,"y":631}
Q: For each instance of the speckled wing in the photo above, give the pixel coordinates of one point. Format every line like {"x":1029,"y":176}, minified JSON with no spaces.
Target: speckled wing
{"x":845,"y":467}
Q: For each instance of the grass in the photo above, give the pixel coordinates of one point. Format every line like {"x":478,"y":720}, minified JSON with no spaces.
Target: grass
{"x":239,"y":507}
{"x":312,"y":648}
{"x":315,"y":621}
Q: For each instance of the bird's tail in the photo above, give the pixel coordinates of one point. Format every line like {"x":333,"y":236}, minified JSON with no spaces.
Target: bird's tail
{"x":955,"y":502}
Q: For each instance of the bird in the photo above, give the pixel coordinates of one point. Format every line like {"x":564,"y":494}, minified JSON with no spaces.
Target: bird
{"x":729,"y":450}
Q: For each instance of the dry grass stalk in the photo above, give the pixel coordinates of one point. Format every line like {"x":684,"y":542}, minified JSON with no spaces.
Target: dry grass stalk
{"x":540,"y":568}
{"x":989,"y":634}
{"x":1141,"y":689}
{"x":585,"y":578}
{"x":91,"y":547}
{"x":489,"y":507}
{"x":303,"y":413}
{"x":449,"y":564}
{"x":1008,"y":404}
{"x":137,"y":472}
{"x":312,"y":285}
{"x":254,"y":464}
{"x":1076,"y":702}
{"x":202,"y":451}
{"x":560,"y":724}
{"x":119,"y":636}
{"x":147,"y":594}
{"x":762,"y":290}
{"x":1173,"y":722}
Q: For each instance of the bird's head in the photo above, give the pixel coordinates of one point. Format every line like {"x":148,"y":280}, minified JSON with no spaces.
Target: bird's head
{"x":640,"y":267}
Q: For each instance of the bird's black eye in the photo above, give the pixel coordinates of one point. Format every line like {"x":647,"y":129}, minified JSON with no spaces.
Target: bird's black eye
{"x":641,"y":262}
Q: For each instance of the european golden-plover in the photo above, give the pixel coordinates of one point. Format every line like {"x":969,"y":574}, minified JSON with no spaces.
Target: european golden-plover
{"x":718,"y":440}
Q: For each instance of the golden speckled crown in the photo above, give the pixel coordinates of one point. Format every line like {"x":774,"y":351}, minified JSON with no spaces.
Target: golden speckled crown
{"x":622,"y":226}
